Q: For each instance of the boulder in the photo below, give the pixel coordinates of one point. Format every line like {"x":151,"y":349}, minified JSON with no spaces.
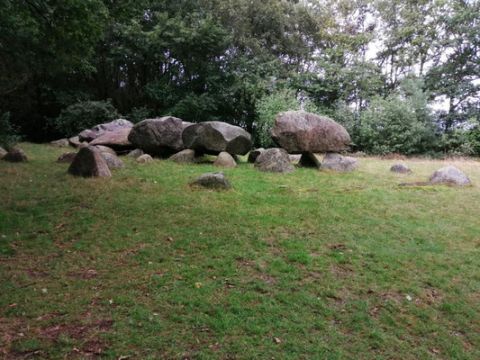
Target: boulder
{"x":186,"y":156}
{"x":252,"y":155}
{"x":135,"y":153}
{"x":226,"y":160}
{"x":117,"y":139}
{"x":105,"y":149}
{"x":67,"y":157}
{"x":161,"y":136}
{"x":274,"y":160}
{"x":216,"y":181}
{"x":3,"y":152}
{"x":400,"y":168}
{"x":98,"y":130}
{"x":213,"y":137}
{"x":302,"y":132}
{"x":310,"y":160}
{"x":340,"y":163}
{"x":75,"y":142}
{"x":113,"y":161}
{"x":144,"y":159}
{"x":60,"y":143}
{"x":89,"y":162}
{"x":15,"y":155}
{"x":450,"y":175}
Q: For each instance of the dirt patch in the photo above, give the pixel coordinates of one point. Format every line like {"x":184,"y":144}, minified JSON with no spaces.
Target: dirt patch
{"x":341,"y":271}
{"x":75,"y":331}
{"x":85,"y":274}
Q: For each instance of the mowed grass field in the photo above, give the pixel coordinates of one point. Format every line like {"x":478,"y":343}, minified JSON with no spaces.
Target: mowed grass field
{"x":308,"y":265}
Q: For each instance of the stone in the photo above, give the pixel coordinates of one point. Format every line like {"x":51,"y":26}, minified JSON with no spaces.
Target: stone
{"x":186,"y":156}
{"x":3,"y":152}
{"x":216,"y":181}
{"x":310,"y":160}
{"x":15,"y":155}
{"x":400,"y":168}
{"x":252,"y":155}
{"x":67,"y":157}
{"x":105,"y":149}
{"x":226,"y":160}
{"x":160,"y":136}
{"x":98,"y":130}
{"x":340,"y":163}
{"x":60,"y":143}
{"x":213,"y":137}
{"x":295,"y":158}
{"x":75,"y":142}
{"x":302,"y":132}
{"x":113,"y":161}
{"x":89,"y":162}
{"x":450,"y":175}
{"x":117,"y":139}
{"x":144,"y":159}
{"x":274,"y":160}
{"x":135,"y":153}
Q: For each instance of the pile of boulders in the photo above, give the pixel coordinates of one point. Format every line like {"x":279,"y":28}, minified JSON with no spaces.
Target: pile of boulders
{"x":304,"y":138}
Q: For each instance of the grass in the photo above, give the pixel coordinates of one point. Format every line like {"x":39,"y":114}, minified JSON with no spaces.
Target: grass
{"x":308,"y":265}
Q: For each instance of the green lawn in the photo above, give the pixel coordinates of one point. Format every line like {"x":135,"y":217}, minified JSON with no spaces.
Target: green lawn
{"x":308,"y":265}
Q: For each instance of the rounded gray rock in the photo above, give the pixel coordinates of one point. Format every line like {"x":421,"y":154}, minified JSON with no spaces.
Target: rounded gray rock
{"x":216,"y":181}
{"x":274,"y":160}
{"x":450,"y":175}
{"x":302,"y":132}
{"x":400,"y":169}
{"x":340,"y":163}
{"x":15,"y":155}
{"x":89,"y":162}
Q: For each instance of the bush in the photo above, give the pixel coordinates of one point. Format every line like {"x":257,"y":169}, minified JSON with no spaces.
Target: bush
{"x":84,"y":115}
{"x":267,"y":109}
{"x":8,"y":134}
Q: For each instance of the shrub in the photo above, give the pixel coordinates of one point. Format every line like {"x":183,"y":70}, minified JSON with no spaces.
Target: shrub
{"x":8,"y":134}
{"x":267,"y":109}
{"x":84,"y":115}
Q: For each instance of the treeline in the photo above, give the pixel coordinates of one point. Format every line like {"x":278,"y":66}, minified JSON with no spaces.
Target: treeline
{"x":402,"y":75}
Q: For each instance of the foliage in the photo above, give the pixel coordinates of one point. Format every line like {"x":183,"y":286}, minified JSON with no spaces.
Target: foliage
{"x":8,"y":134}
{"x":84,"y":115}
{"x":267,"y":110}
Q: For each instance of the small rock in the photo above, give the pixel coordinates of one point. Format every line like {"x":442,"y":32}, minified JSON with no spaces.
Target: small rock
{"x":400,"y":168}
{"x":89,"y":162}
{"x":252,"y":156}
{"x":337,"y":162}
{"x":3,"y":152}
{"x":186,"y":156}
{"x":135,"y":153}
{"x":274,"y":160}
{"x":60,"y":143}
{"x":67,"y":157}
{"x":113,"y":161}
{"x":450,"y":175}
{"x":144,"y":159}
{"x":15,"y":155}
{"x":213,"y":181}
{"x":226,"y":160}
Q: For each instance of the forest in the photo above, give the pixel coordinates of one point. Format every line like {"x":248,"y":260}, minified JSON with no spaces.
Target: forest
{"x":403,"y":76}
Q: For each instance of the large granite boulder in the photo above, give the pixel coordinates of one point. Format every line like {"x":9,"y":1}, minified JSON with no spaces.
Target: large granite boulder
{"x":98,"y":130}
{"x":226,"y":160}
{"x":3,"y":152}
{"x":161,"y":136}
{"x":15,"y":155}
{"x":105,"y":149}
{"x":252,"y":155}
{"x":186,"y":156}
{"x":450,"y":175}
{"x":89,"y":162}
{"x":117,"y":139}
{"x":113,"y":161}
{"x":213,"y":137}
{"x":216,"y":181}
{"x":302,"y":132}
{"x":340,"y":163}
{"x":274,"y":160}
